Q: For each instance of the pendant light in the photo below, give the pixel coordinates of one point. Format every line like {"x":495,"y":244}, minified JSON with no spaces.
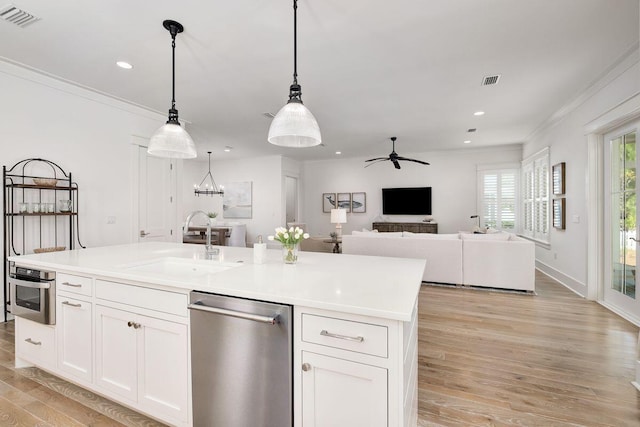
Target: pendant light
{"x":171,"y":140}
{"x":208,"y":189}
{"x":294,"y":125}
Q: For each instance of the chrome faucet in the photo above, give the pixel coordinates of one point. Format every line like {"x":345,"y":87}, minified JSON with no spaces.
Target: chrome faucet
{"x":210,"y":251}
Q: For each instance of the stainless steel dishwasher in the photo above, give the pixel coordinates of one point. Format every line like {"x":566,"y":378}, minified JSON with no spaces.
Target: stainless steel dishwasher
{"x":241,"y":362}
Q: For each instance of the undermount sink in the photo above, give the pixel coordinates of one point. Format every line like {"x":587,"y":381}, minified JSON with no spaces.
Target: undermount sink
{"x":180,"y":267}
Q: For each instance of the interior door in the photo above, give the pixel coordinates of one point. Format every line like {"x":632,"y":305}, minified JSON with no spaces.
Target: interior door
{"x":621,"y":226}
{"x":156,"y":197}
{"x":291,"y":194}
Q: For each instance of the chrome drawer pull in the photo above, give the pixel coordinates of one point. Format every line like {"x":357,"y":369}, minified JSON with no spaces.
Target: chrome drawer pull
{"x":73,"y":285}
{"x":30,"y":341}
{"x":324,"y":333}
{"x":71,"y":304}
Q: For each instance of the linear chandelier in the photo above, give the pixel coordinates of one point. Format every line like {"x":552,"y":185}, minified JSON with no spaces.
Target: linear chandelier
{"x":210,"y":188}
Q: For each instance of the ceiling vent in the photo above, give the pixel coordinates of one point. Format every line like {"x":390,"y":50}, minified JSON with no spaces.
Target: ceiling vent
{"x":471,"y":130}
{"x":19,"y":17}
{"x":490,"y":80}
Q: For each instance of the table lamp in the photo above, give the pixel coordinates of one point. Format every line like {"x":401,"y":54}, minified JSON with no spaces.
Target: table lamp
{"x":338,"y":217}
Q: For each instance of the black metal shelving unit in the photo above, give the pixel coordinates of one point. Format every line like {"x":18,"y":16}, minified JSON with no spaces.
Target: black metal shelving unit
{"x":26,"y":231}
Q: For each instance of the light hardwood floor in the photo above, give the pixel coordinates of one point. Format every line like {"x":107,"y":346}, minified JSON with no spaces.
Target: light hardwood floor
{"x":502,"y":359}
{"x":485,"y":359}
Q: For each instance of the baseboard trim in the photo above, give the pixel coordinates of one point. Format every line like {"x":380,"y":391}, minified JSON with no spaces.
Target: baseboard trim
{"x":626,"y":316}
{"x":565,"y":280}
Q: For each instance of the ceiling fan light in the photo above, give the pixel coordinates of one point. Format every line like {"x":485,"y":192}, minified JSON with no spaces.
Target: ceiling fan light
{"x":294,"y":126}
{"x":172,"y":141}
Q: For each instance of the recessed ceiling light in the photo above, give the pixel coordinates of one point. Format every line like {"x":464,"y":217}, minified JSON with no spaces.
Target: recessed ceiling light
{"x":467,"y":142}
{"x":338,"y":152}
{"x":124,"y":64}
{"x":479,"y":113}
{"x":227,"y":149}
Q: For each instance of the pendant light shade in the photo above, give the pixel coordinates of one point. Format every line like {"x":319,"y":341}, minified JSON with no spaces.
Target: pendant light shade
{"x":294,"y":125}
{"x":171,"y":140}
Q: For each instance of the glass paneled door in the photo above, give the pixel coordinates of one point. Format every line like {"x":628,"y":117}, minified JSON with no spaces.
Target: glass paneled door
{"x":622,"y":226}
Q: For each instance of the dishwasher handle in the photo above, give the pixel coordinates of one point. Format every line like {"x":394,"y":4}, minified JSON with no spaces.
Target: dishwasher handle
{"x":239,"y":314}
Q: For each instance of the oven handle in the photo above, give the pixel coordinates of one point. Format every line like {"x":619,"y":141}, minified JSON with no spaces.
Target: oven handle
{"x":28,"y":284}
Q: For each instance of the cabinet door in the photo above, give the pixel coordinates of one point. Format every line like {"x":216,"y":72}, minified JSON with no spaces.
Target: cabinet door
{"x":340,"y":393}
{"x":116,"y":355}
{"x":163,"y":361}
{"x":74,"y":322}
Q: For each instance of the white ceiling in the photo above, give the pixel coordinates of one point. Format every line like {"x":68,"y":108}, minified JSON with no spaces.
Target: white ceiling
{"x":369,"y":69}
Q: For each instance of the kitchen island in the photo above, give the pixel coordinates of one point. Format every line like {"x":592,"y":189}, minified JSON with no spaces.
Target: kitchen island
{"x":122,"y":327}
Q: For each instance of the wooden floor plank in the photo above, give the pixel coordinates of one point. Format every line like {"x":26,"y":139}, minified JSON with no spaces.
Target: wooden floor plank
{"x":495,"y":358}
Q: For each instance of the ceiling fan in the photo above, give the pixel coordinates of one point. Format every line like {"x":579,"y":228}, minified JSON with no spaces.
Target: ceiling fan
{"x":394,"y":157}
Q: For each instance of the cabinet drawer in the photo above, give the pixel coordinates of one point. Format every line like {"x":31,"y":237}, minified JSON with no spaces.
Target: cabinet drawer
{"x":345,"y":334}
{"x":76,"y":284}
{"x":152,"y":299}
{"x":35,"y":342}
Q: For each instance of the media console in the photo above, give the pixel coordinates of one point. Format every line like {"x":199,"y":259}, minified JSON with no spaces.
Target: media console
{"x":413,"y":227}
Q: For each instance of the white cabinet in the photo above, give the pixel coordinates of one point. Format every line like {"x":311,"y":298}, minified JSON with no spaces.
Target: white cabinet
{"x":116,"y":361}
{"x":35,"y":344}
{"x":74,"y":324}
{"x":73,"y":283}
{"x":354,"y":371}
{"x":143,"y":360}
{"x":337,"y":392}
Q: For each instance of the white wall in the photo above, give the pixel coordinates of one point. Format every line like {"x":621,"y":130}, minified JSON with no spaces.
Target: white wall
{"x":85,"y":133}
{"x":265,"y":173}
{"x":566,"y":258}
{"x":452,"y":176}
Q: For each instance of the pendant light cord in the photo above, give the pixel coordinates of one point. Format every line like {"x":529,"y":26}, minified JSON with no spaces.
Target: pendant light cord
{"x":295,"y":42}
{"x":173,"y":70}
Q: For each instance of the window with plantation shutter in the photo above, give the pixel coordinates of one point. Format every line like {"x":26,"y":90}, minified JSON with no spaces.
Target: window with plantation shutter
{"x":535,"y":196}
{"x":498,"y":197}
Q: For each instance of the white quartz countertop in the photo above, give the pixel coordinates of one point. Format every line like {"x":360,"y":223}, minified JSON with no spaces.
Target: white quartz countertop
{"x":372,"y":286}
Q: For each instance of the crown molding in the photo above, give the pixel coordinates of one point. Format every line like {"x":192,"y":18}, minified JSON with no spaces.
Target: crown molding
{"x":627,"y":60}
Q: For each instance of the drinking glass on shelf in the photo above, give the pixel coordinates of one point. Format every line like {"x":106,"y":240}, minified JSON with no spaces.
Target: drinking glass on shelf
{"x":51,"y":207}
{"x":64,"y":205}
{"x":23,"y":208}
{"x":35,"y":207}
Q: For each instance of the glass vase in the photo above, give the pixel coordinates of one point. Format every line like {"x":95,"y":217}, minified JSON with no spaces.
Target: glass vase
{"x":290,"y":253}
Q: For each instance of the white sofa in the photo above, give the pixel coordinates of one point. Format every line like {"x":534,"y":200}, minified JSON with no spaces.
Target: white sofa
{"x":499,"y":260}
{"x":442,"y":251}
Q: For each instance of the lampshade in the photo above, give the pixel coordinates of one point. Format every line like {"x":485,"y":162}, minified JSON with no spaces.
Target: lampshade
{"x":171,"y":140}
{"x":294,"y":126}
{"x":338,"y":216}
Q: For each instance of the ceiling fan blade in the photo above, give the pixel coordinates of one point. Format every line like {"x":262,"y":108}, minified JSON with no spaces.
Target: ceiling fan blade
{"x":378,"y":161}
{"x":396,"y":164}
{"x":377,"y":158}
{"x":412,"y":160}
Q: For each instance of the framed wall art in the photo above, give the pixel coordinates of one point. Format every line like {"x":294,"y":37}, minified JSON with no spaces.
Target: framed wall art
{"x":557,"y":177}
{"x":237,"y":201}
{"x":358,"y":202}
{"x":344,"y":201}
{"x":328,"y":202}
{"x":559,"y":213}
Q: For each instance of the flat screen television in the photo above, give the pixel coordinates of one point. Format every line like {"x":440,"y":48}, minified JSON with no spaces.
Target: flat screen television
{"x":406,"y":201}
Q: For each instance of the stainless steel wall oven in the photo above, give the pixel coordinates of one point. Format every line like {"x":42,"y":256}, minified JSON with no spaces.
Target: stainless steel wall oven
{"x":32,"y":294}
